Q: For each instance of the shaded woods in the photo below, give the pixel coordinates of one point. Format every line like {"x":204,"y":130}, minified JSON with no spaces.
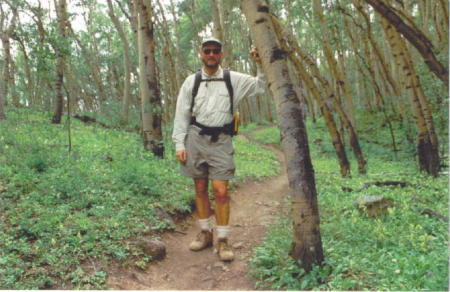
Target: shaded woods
{"x":126,"y":60}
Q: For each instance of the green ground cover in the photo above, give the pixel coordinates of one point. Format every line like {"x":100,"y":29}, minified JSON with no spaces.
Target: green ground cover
{"x":404,"y":250}
{"x":59,"y":212}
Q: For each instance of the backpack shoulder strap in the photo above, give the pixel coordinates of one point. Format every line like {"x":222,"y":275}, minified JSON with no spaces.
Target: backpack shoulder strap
{"x":227,"y":79}
{"x":198,"y":79}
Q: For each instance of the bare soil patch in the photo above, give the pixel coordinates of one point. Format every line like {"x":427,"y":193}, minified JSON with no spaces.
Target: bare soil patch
{"x":254,"y":206}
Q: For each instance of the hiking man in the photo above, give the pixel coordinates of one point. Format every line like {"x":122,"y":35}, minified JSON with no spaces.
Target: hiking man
{"x":202,"y":133}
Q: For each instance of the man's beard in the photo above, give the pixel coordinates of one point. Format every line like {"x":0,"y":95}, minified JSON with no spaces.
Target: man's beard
{"x":211,"y":66}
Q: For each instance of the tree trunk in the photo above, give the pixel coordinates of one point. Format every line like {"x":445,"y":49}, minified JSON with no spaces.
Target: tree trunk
{"x":4,"y":84}
{"x":307,"y":246}
{"x":61,"y":9}
{"x":338,"y":74}
{"x":416,"y":37}
{"x":331,"y":96}
{"x":427,"y":143}
{"x":178,"y":55}
{"x":225,"y":8}
{"x":217,"y":28}
{"x":5,"y":36}
{"x":30,"y":87}
{"x":327,"y":115}
{"x":148,"y":83}
{"x":126,"y":63}
{"x":367,"y":61}
{"x":170,"y":67}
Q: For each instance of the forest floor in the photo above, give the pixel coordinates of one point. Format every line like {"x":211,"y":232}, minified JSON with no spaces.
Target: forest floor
{"x":254,"y":206}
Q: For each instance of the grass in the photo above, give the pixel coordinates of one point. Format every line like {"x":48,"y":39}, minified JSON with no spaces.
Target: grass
{"x":404,"y":250}
{"x":65,"y":216}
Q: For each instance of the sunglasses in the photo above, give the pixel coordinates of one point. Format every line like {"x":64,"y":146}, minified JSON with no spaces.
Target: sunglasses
{"x":214,"y":51}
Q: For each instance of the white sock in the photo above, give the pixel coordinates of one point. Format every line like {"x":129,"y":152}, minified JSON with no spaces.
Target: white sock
{"x":222,"y":231}
{"x":205,"y":224}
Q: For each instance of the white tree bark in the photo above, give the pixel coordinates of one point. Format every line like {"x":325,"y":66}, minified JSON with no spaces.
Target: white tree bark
{"x":307,"y":246}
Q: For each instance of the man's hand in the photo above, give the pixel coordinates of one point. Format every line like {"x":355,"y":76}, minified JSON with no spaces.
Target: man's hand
{"x":255,"y":55}
{"x":181,"y":156}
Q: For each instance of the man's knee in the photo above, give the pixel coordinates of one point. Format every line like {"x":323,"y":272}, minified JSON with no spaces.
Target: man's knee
{"x":201,"y":186}
{"x":221,"y":193}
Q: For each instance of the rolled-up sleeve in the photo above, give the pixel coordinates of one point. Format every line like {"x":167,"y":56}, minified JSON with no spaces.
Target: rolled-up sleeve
{"x":247,"y":85}
{"x":182,"y":114}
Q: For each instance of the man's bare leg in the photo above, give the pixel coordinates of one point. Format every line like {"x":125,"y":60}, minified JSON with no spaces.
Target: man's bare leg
{"x":201,"y":198}
{"x":220,"y":189}
{"x":204,"y":238}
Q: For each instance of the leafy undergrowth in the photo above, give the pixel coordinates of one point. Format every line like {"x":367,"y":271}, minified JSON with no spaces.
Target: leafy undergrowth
{"x":64,"y":216}
{"x":406,"y":249}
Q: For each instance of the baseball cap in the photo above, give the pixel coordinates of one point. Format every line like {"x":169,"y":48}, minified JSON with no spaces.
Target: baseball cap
{"x":211,"y":40}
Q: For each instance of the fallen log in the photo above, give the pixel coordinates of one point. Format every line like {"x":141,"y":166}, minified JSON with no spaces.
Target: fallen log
{"x":386,"y":183}
{"x":378,"y":184}
{"x":89,"y":120}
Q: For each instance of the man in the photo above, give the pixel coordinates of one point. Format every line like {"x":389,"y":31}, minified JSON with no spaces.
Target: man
{"x":203,"y":142}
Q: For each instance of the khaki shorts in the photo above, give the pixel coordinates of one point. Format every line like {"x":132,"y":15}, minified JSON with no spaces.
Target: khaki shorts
{"x":206,"y":159}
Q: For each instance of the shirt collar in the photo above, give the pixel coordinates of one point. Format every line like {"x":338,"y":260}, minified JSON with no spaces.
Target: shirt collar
{"x":218,"y":73}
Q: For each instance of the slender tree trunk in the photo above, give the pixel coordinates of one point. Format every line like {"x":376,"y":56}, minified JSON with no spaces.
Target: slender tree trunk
{"x":225,"y":7}
{"x":5,"y":35}
{"x":367,"y":61}
{"x":30,"y":87}
{"x":307,"y":246}
{"x":427,"y":143}
{"x":328,"y":117}
{"x":331,"y":96}
{"x":150,"y":95}
{"x":179,"y":60}
{"x":4,"y":84}
{"x":338,"y":74}
{"x":217,"y":28}
{"x":172,"y":84}
{"x":126,"y":63}
{"x":416,"y":37}
{"x":380,"y":57}
{"x":61,"y":8}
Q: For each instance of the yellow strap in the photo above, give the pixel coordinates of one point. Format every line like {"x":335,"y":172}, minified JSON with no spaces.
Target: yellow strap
{"x":236,"y":122}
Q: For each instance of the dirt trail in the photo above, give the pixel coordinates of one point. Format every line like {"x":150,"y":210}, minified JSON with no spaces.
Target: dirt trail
{"x":254,"y":205}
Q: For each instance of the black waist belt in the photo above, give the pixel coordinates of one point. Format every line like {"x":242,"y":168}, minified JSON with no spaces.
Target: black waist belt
{"x":214,"y":132}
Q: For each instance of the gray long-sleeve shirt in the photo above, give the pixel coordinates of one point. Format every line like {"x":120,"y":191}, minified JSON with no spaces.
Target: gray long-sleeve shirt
{"x":212,"y":103}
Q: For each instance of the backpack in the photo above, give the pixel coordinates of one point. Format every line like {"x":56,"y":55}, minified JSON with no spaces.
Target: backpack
{"x":226,"y":78}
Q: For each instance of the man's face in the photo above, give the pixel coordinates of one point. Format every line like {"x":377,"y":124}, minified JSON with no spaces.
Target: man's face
{"x":211,"y":55}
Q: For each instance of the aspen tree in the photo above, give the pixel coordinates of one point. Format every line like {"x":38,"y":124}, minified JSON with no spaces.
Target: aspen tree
{"x":367,"y":61}
{"x":307,"y":246}
{"x":151,"y":109}
{"x":328,"y":117}
{"x":427,"y":143}
{"x":171,"y":85}
{"x":178,"y":56}
{"x":126,"y":95}
{"x":330,"y":96}
{"x":416,"y":37}
{"x":225,"y":7}
{"x":61,"y":12}
{"x":5,"y":35}
{"x":338,"y":75}
{"x":92,"y":64}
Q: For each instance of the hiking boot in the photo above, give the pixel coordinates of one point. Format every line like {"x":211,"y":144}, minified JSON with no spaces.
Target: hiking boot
{"x":224,"y":251}
{"x":203,"y":240}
